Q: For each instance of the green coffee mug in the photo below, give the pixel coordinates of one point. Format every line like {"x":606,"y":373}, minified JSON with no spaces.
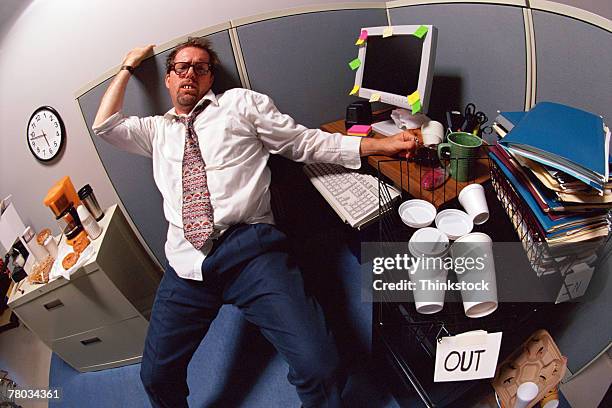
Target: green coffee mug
{"x":463,"y":149}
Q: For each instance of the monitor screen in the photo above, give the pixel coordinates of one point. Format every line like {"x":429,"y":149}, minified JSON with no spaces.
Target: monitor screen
{"x":393,"y":64}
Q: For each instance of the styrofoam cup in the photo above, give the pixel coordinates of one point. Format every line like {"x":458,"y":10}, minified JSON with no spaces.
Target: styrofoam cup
{"x":477,"y":249}
{"x":525,"y":394}
{"x":429,"y":300}
{"x":432,"y":133}
{"x":427,"y":247}
{"x":473,"y":199}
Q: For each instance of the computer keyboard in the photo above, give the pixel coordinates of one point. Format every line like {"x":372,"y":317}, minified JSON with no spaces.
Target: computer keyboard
{"x":354,"y":196}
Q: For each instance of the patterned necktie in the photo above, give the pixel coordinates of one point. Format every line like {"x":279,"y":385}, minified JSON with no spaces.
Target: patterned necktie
{"x":197,"y":210}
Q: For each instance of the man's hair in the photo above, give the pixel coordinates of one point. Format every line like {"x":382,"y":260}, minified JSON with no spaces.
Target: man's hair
{"x":195,"y":42}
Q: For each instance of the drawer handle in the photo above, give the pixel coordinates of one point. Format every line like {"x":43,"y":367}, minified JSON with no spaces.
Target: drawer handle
{"x":90,"y":341}
{"x":53,"y":304}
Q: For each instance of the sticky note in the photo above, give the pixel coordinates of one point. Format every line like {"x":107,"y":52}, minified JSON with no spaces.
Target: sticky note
{"x":420,"y":32}
{"x":387,"y":32}
{"x":416,"y":107}
{"x":354,"y":90}
{"x":413,"y":97}
{"x":375,"y":97}
{"x":362,"y":37}
{"x":354,"y":64}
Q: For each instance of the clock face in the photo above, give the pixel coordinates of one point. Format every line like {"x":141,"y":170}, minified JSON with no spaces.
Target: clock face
{"x":45,"y":133}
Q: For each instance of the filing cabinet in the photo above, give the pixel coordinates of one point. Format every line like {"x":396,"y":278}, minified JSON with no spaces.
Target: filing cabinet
{"x":98,"y":319}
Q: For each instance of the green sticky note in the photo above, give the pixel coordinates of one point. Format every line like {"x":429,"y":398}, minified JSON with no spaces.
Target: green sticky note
{"x":354,"y":64}
{"x":416,"y":107}
{"x":420,"y":32}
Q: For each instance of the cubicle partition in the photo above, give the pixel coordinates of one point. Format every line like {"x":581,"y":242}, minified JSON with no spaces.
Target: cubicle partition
{"x":301,"y":61}
{"x":480,"y":58}
{"x":574,"y":63}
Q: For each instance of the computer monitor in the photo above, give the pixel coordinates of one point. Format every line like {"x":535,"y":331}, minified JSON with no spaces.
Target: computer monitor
{"x":397,"y":65}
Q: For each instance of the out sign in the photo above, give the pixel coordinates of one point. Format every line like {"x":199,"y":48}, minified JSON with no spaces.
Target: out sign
{"x":467,"y":356}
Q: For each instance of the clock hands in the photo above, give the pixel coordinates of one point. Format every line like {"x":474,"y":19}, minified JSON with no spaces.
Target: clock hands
{"x":45,"y":136}
{"x":39,"y":136}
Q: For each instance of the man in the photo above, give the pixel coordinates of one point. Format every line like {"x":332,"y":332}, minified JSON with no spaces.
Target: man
{"x":209,"y":156}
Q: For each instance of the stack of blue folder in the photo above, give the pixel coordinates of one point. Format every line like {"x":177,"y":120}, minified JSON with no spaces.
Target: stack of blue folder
{"x":557,"y":158}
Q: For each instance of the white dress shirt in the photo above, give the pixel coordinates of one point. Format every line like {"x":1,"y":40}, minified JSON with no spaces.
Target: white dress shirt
{"x":236,"y":132}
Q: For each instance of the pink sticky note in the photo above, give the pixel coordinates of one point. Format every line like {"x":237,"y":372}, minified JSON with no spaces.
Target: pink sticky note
{"x":362,"y":129}
{"x":364,"y":35}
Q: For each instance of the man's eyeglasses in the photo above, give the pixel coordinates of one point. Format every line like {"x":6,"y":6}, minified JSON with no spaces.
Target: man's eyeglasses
{"x":200,"y":68}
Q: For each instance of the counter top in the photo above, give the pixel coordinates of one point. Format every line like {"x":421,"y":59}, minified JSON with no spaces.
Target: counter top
{"x":25,"y":291}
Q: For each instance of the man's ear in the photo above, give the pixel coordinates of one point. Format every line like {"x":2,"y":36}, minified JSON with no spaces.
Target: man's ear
{"x":166,"y":79}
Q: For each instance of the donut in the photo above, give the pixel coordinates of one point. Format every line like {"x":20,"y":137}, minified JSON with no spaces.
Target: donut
{"x":69,"y":260}
{"x":80,"y":243}
{"x":42,"y":236}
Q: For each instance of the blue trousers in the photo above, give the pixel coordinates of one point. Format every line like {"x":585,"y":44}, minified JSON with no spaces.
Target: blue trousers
{"x":248,"y":267}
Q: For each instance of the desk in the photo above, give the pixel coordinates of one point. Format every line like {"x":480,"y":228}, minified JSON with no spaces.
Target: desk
{"x":407,"y":340}
{"x":407,"y":175}
{"x":99,"y":318}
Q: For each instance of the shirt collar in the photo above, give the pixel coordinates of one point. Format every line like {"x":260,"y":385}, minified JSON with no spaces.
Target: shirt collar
{"x":210,"y":95}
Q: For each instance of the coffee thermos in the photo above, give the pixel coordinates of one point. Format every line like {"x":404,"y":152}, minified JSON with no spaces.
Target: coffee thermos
{"x":88,"y":198}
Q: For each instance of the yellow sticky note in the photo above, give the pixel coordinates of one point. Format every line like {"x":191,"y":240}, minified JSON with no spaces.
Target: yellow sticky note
{"x":387,"y":32}
{"x":354,"y":90}
{"x":420,"y":32}
{"x":375,"y":97}
{"x":413,"y":97}
{"x":359,"y":42}
{"x":416,"y":107}
{"x":354,"y":64}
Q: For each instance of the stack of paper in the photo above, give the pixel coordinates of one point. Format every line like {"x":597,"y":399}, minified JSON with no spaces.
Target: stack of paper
{"x":557,"y":160}
{"x":359,"y":130}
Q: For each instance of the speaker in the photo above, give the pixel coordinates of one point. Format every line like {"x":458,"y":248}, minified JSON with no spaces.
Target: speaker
{"x":358,"y":113}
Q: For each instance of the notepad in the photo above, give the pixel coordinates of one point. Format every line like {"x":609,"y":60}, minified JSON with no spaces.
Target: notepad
{"x":359,"y":130}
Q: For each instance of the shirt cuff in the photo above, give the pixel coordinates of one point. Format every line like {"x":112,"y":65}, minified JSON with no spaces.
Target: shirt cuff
{"x":349,"y":152}
{"x":110,"y":122}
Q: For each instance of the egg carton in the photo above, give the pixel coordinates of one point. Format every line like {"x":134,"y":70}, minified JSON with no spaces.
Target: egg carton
{"x":538,"y":360}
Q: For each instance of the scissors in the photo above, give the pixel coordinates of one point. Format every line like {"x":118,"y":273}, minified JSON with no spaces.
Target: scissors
{"x":473,"y":120}
{"x":470,"y":110}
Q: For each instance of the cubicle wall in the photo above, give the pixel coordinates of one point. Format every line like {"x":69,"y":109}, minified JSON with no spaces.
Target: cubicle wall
{"x":299,"y":58}
{"x":574,"y":63}
{"x":480,"y":58}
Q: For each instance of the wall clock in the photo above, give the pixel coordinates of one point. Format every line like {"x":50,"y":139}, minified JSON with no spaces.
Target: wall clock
{"x":45,"y":133}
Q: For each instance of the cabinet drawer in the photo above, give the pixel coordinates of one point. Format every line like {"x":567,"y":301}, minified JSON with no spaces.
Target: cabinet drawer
{"x":104,"y":347}
{"x":86,"y":303}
